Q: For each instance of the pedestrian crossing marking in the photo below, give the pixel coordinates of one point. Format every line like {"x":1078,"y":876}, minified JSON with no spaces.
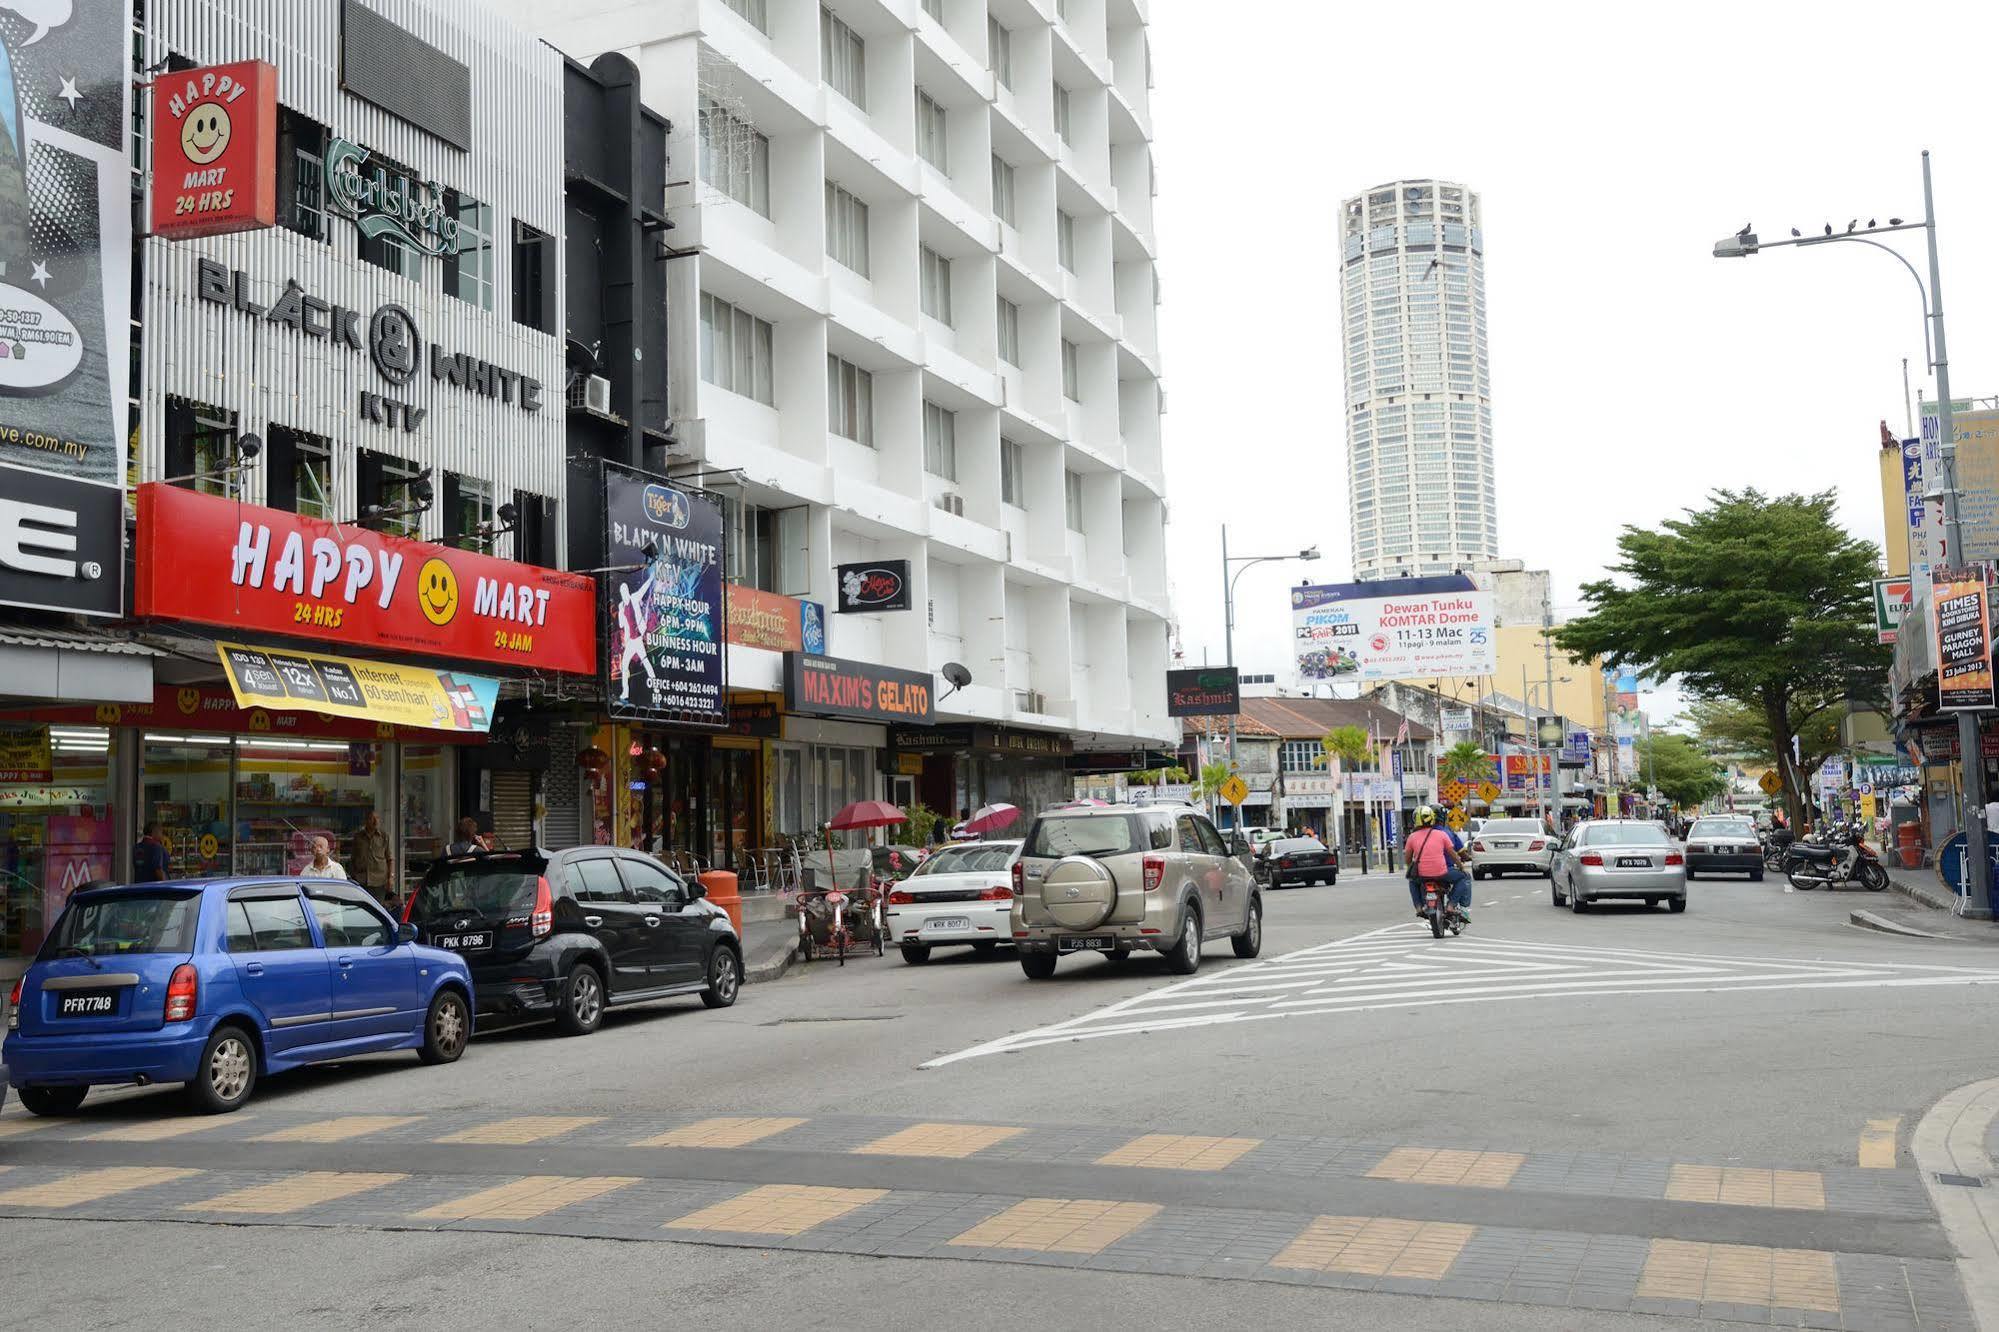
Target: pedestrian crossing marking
{"x":521,"y":1129}
{"x":13,"y":1128}
{"x":526,"y":1198}
{"x":1471,"y":1170}
{"x":1377,"y":1246}
{"x":727,"y":1131}
{"x":778,"y":1209}
{"x":1180,"y":1151}
{"x":1743,"y":1186}
{"x":954,"y":1141}
{"x":1740,"y":1274}
{"x":1877,"y":1144}
{"x":159,"y":1130}
{"x":294,"y":1193}
{"x":1059,"y":1225}
{"x":1401,"y":966}
{"x":339,"y":1129}
{"x":88,"y":1186}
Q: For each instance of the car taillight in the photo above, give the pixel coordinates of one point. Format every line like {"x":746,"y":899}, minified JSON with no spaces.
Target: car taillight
{"x":899,"y":898}
{"x":999,"y":892}
{"x":14,"y":1007}
{"x":1533,"y":846}
{"x":1590,"y":858}
{"x":1675,"y":858}
{"x":1155,"y":872}
{"x":182,"y":990}
{"x":1019,"y":879}
{"x":1284,"y":863}
{"x":1478,"y":846}
{"x":543,"y":920}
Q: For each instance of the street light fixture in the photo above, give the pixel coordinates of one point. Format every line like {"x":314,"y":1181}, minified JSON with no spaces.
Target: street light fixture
{"x":1744,"y":243}
{"x":1229,"y":576}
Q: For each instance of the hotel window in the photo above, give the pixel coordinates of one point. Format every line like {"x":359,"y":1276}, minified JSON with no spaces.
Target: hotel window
{"x":393,"y":253}
{"x":752,"y":12}
{"x":468,"y":507}
{"x":999,"y":51}
{"x":1013,"y":474}
{"x":936,"y":286}
{"x":1072,"y":375}
{"x":735,"y":350}
{"x":301,"y":174}
{"x":1003,"y":190}
{"x":846,"y":229}
{"x":397,"y":487}
{"x":850,"y":401}
{"x":845,"y":57}
{"x":1009,"y":332}
{"x":935,"y":9}
{"x":940,"y":442}
{"x":1072,"y":500}
{"x":1065,"y":241}
{"x":532,"y":267}
{"x":1061,"y":113}
{"x":932,"y":144}
{"x":469,"y":274}
{"x":735,"y":158}
{"x":1302,"y":756}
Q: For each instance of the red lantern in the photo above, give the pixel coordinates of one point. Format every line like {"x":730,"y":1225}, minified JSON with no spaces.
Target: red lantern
{"x":655,"y":760}
{"x":592,"y":759}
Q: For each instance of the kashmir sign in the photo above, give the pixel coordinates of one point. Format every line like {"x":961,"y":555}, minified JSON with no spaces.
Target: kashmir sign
{"x":215,"y":150}
{"x":664,"y":601}
{"x":1204,"y":691}
{"x":1403,"y":629}
{"x":1963,"y":642}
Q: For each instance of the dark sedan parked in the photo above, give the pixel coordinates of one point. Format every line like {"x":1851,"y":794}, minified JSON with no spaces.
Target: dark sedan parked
{"x":1724,"y":846}
{"x":1295,"y":860}
{"x":567,"y":934}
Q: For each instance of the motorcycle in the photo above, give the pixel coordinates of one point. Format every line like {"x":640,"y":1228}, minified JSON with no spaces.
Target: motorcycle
{"x":1777,"y":844}
{"x":1442,"y":913}
{"x":1843,"y":857}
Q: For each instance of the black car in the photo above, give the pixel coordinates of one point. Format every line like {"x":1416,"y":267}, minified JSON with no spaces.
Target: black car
{"x":567,"y":934}
{"x":1293,"y":860}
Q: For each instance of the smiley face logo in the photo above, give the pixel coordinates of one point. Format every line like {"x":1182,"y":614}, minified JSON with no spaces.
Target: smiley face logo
{"x":204,"y":135}
{"x":188,"y":701}
{"x":437,"y":591}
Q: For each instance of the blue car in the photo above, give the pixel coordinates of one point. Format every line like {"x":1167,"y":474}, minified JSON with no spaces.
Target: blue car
{"x":216,"y":982}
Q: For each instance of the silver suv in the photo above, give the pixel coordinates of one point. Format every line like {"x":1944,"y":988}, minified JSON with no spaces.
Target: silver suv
{"x":1117,"y":878}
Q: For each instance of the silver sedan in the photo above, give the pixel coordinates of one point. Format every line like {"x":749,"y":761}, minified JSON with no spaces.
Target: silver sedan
{"x":1629,"y":859}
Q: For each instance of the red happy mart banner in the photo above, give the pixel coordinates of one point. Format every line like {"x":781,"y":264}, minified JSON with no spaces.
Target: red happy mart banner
{"x":209,"y":560}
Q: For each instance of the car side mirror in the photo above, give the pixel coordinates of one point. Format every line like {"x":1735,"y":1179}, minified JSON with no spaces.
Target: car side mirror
{"x":696,"y":889}
{"x":406,"y":932}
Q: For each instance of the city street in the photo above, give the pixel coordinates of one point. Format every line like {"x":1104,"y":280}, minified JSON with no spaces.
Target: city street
{"x":1627,"y":1112}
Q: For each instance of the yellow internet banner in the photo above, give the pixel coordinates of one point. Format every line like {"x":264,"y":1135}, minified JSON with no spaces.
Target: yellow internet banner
{"x":426,"y":696}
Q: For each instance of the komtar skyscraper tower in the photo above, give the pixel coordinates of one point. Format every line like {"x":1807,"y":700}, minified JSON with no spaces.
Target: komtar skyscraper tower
{"x":1419,"y":404}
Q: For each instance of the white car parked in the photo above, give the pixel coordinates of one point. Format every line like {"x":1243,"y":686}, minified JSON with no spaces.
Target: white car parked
{"x":960,"y":895}
{"x":1521,"y":846}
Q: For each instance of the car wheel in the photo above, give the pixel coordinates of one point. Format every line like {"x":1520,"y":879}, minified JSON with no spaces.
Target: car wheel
{"x":1038,"y":966}
{"x":1576,"y":902}
{"x":1185,"y":959}
{"x":446,"y":1028}
{"x":986,"y":947}
{"x":1691,"y":876}
{"x":1250,"y":942}
{"x":916,"y":954}
{"x":53,"y":1100}
{"x":725,"y":978}
{"x":579,"y":1010}
{"x":227,"y":1072}
{"x":1755,"y":875}
{"x":1676,"y":905}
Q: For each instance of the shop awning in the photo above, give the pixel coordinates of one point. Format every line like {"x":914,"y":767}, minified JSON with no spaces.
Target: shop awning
{"x":427,"y":696}
{"x":59,"y":664}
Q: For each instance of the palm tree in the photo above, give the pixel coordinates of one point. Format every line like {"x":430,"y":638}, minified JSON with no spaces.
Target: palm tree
{"x":1348,"y":744}
{"x":1214,"y":776}
{"x":1465,"y":762}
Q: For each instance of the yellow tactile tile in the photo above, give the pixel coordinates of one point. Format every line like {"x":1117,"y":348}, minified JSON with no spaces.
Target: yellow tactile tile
{"x":91,"y":1185}
{"x":294,"y":1193}
{"x":723,"y":1132}
{"x":777,"y":1209}
{"x":1377,"y":1246}
{"x":340,"y":1129}
{"x":159,"y":1130}
{"x":1176,"y":1151}
{"x":1877,"y":1144}
{"x":526,"y":1198}
{"x":1471,"y":1170}
{"x":1059,"y":1225}
{"x":1742,"y":1186}
{"x":956,"y":1141}
{"x":522,"y":1129}
{"x":1740,"y":1274}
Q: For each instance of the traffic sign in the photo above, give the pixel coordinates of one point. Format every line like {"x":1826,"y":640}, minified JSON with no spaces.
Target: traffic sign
{"x":1770,"y":782}
{"x":1235,"y":790}
{"x":1457,"y":820}
{"x":1488,"y":791}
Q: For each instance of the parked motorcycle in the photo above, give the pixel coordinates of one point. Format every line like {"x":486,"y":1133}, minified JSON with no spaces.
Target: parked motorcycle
{"x":1442,"y":913}
{"x":1843,"y":857}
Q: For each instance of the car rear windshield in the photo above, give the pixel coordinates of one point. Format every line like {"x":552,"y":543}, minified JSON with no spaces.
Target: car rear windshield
{"x":1292,"y":846}
{"x":1503,"y":826}
{"x":1722,"y":828}
{"x":1087,"y":835}
{"x":970,"y":859}
{"x":490,"y":888}
{"x":1624,"y":834}
{"x":107,"y":926}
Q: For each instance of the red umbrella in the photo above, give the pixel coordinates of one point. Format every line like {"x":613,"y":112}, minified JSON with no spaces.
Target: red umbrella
{"x":860,"y":814}
{"x":991,"y":818}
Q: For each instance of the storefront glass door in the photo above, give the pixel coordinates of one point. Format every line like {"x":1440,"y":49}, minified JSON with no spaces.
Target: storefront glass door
{"x":56,"y":827}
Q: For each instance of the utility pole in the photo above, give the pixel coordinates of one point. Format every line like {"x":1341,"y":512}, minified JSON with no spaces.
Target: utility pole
{"x":1527,"y":707}
{"x":1548,"y":663}
{"x":1228,"y":637}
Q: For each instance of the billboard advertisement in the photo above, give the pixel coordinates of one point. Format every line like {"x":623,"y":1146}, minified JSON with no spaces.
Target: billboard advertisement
{"x":65,"y":298}
{"x":1964,"y":645}
{"x":215,"y":150}
{"x":1404,"y":629}
{"x":428,"y":697}
{"x":1203,"y":691}
{"x":663,"y":601}
{"x":1891,"y":603}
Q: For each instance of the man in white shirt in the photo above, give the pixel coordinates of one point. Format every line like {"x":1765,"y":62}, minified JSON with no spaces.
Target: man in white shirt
{"x":323,"y":865}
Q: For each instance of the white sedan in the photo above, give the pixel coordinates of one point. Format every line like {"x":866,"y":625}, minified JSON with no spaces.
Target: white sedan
{"x":1518,"y":845}
{"x":960,"y":895}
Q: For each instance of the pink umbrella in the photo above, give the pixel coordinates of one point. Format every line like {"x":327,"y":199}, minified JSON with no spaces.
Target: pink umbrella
{"x":991,"y":818}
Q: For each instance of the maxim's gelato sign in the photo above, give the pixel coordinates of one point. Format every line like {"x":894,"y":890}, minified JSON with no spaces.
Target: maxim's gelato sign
{"x":383,"y":202}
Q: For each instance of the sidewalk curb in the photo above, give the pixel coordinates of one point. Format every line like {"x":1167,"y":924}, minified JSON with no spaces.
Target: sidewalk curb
{"x":1950,"y":1140}
{"x":771,"y":970}
{"x":1867,"y":920}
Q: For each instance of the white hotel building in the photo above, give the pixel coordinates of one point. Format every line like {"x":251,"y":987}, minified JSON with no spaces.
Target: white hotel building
{"x":913,"y":317}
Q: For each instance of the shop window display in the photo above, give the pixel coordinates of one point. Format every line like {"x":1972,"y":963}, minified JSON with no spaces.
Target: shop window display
{"x":184,"y":786}
{"x":427,"y":808}
{"x":56,"y":829}
{"x":290,"y":791}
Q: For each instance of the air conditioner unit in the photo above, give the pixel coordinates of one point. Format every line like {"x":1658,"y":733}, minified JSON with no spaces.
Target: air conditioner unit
{"x":597,"y":395}
{"x":1030,"y":700}
{"x":952,"y":502}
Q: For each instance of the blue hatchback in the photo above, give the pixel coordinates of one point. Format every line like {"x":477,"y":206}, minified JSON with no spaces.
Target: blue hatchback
{"x":216,"y":982}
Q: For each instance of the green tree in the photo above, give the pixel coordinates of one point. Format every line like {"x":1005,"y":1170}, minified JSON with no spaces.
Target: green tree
{"x":1160,"y":776}
{"x":921,"y":823}
{"x":1764,"y":601}
{"x":1465,"y":761}
{"x":1348,"y":744}
{"x":1214,"y":775}
{"x":1681,"y":772}
{"x":1739,"y":731}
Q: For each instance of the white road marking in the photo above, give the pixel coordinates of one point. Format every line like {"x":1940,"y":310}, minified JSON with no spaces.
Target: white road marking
{"x":1401,"y":966}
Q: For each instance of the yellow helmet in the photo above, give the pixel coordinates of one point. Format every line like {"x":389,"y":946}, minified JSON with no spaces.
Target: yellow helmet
{"x":1425,"y":816}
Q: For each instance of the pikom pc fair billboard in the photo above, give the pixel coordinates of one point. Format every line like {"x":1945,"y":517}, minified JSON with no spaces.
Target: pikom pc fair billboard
{"x":1397,"y":629}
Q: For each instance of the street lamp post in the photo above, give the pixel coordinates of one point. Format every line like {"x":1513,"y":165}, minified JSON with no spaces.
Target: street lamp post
{"x":1970,"y":751}
{"x":1228,"y":603}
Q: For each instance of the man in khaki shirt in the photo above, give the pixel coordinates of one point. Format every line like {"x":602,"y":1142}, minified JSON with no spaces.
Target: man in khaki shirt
{"x":370,"y":857}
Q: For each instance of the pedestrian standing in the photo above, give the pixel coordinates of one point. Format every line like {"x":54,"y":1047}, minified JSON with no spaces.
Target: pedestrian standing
{"x":322,"y":865}
{"x":371,"y":858}
{"x":149,"y":857}
{"x":469,"y":840}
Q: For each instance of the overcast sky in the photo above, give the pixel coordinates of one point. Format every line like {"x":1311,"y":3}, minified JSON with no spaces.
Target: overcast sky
{"x":1631,"y":372}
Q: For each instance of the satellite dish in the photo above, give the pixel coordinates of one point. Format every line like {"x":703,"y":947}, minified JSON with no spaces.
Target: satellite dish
{"x":956,"y":676}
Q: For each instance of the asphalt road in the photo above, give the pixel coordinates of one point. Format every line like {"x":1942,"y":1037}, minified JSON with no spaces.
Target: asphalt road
{"x":1758,"y":1029}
